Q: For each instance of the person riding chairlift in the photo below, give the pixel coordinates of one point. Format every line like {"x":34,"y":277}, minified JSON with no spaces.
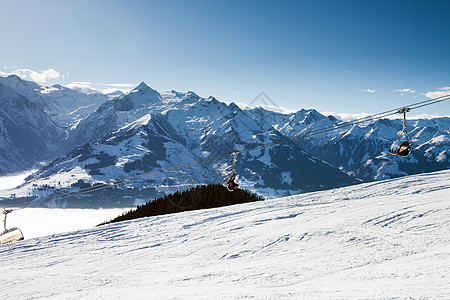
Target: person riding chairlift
{"x":404,"y":150}
{"x":231,"y":184}
{"x":401,"y":148}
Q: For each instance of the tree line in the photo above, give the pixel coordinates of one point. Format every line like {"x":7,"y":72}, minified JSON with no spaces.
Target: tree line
{"x":199,"y":197}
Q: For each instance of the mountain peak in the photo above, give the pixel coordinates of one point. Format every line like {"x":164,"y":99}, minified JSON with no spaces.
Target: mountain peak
{"x":14,"y":77}
{"x":58,"y":86}
{"x":142,"y":87}
{"x":12,"y":81}
{"x":15,"y":80}
{"x":28,"y":89}
{"x":143,"y":95}
{"x":191,"y":94}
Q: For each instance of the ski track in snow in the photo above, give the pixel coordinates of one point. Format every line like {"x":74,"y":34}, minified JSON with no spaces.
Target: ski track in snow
{"x":388,"y":239}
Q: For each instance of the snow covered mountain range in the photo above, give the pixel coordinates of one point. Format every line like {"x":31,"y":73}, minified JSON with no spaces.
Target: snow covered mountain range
{"x":383,"y":240}
{"x":80,"y":138}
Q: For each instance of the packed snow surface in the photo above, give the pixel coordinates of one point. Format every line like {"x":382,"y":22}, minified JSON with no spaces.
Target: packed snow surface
{"x":388,"y":239}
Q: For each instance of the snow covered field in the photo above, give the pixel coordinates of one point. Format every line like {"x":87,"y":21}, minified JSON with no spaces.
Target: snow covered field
{"x":388,"y":239}
{"x":10,"y":182}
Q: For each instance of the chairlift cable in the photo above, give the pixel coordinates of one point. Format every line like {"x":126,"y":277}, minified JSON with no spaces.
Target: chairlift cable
{"x":220,"y":157}
{"x":388,"y":112}
{"x":426,"y":104}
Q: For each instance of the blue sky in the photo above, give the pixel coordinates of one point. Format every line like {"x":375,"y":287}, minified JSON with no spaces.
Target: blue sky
{"x":335,"y":56}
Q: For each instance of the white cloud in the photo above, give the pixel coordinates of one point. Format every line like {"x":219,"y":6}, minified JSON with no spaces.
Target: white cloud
{"x":346,"y":117}
{"x":27,"y":74}
{"x":82,"y":82}
{"x":10,"y":68}
{"x":368,"y":91}
{"x":118,"y":85}
{"x":273,"y":108}
{"x":443,"y":91}
{"x":82,"y":86}
{"x":112,"y":90}
{"x":404,"y":91}
{"x":114,"y":87}
{"x":89,"y":87}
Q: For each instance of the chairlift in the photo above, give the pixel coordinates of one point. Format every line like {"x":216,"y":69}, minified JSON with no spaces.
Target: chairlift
{"x":402,"y":146}
{"x":12,"y":234}
{"x":230,"y":181}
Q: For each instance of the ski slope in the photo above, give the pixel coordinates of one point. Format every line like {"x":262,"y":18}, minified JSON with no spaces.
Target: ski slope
{"x":388,"y":239}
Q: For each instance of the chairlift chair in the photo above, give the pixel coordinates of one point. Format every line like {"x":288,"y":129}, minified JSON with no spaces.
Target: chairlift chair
{"x":229,"y":181}
{"x":10,"y":235}
{"x":402,"y":146}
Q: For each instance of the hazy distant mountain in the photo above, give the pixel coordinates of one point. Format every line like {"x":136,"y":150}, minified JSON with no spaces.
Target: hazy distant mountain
{"x":27,"y":134}
{"x":65,"y":106}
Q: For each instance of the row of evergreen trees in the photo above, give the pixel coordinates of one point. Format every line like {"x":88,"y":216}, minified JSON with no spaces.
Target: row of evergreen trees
{"x":199,"y":197}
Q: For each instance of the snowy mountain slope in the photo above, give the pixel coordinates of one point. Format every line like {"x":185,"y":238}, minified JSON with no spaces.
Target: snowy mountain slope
{"x":27,"y":134}
{"x":121,"y":111}
{"x":112,"y":115}
{"x":36,"y":119}
{"x":179,"y":137}
{"x":28,"y":89}
{"x":433,"y":138}
{"x":64,"y":105}
{"x":361,"y":150}
{"x":364,"y":153}
{"x":68,"y":106}
{"x":214,"y":128}
{"x":149,"y":144}
{"x":388,"y":239}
